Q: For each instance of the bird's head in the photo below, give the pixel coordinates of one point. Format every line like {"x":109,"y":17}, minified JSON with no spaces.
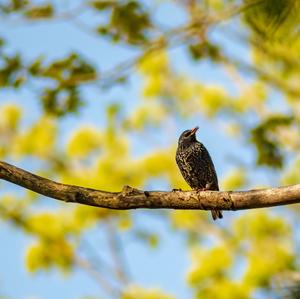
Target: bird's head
{"x":187,"y":137}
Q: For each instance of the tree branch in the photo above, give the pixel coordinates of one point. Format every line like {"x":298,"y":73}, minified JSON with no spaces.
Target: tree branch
{"x":131,"y":198}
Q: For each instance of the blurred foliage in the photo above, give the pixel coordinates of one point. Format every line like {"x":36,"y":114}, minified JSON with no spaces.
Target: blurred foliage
{"x":265,"y":138}
{"x":274,"y":19}
{"x":253,"y":95}
{"x":234,"y":180}
{"x":128,"y":21}
{"x":137,"y":292}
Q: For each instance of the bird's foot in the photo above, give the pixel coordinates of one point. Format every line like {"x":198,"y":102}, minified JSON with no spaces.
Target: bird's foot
{"x":206,"y":188}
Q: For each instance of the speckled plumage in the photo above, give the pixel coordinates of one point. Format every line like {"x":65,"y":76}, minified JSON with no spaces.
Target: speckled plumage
{"x":196,"y":165}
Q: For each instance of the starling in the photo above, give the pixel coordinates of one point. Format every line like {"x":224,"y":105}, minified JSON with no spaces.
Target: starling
{"x":196,"y":165}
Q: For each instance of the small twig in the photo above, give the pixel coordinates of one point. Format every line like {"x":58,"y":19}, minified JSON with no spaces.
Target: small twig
{"x":94,"y":258}
{"x":116,"y":251}
{"x":85,"y":265}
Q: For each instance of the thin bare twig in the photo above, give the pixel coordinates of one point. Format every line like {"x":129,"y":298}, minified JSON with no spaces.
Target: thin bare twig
{"x":117,"y":254}
{"x":101,"y":280}
{"x":94,"y":258}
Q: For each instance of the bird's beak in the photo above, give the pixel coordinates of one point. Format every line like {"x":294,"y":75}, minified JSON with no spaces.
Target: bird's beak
{"x":193,"y":131}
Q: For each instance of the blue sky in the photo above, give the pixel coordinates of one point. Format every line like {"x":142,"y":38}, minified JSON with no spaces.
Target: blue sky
{"x":54,"y":40}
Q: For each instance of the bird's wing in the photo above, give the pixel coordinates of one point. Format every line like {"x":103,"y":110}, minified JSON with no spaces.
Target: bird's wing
{"x":206,"y":168}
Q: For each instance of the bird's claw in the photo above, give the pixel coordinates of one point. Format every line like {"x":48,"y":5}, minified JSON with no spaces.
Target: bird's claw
{"x":206,"y":188}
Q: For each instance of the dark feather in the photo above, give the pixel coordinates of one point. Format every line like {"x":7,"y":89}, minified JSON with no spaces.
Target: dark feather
{"x":196,"y":166}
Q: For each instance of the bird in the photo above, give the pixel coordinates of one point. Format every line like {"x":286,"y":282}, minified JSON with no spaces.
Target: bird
{"x":196,"y":165}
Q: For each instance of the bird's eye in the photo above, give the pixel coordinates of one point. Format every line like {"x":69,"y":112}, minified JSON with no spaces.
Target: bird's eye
{"x":187,"y":134}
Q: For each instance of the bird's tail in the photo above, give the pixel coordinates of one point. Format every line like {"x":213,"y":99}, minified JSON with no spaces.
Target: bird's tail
{"x":216,"y":214}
